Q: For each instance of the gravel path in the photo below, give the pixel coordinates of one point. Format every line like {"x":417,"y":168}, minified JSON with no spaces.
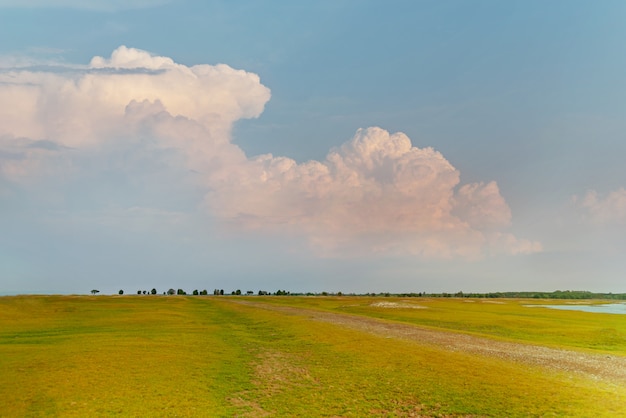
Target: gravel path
{"x":605,"y":367}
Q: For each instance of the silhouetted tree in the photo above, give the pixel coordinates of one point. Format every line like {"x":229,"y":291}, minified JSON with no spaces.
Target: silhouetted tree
{"x":171,"y":292}
{"x":195,"y":292}
{"x":153,"y":291}
{"x":121,"y":292}
{"x":94,"y":291}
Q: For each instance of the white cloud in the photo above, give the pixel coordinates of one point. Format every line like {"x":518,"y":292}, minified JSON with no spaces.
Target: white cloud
{"x":607,"y":210}
{"x":134,"y":119}
{"x":162,"y":130}
{"x":79,"y":105}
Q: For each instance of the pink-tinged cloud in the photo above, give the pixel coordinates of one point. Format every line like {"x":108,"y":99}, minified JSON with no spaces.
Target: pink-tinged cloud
{"x":376,"y":192}
{"x":610,"y":209}
{"x":143,"y":115}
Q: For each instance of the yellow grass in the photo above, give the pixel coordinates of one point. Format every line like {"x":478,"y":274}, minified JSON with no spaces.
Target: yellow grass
{"x":210,"y":356}
{"x":507,"y":319}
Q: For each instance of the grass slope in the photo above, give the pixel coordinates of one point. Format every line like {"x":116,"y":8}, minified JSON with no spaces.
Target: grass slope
{"x":208,"y":356}
{"x":506,"y":319}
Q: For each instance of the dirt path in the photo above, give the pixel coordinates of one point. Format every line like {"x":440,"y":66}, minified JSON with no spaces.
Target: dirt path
{"x":609,"y":368}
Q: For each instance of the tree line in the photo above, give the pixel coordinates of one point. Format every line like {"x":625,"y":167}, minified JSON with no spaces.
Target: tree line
{"x":196,"y":292}
{"x":557,"y":294}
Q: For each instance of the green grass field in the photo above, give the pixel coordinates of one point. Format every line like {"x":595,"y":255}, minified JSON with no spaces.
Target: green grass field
{"x":210,"y":356}
{"x":507,"y":319}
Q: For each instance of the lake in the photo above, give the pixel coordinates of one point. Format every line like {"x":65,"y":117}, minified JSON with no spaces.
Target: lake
{"x":610,"y":308}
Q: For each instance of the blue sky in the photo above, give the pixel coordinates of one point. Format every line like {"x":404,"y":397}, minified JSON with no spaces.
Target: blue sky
{"x":344,"y":145}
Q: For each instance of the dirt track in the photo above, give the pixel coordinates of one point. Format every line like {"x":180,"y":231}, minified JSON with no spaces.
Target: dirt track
{"x":609,"y":368}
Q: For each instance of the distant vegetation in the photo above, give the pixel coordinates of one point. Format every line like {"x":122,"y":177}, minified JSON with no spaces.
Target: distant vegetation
{"x":557,"y":294}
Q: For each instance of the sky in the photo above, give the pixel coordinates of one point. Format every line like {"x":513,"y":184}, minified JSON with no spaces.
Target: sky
{"x":344,"y":145}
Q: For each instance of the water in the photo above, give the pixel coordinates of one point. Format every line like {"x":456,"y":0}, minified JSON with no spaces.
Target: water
{"x":610,"y":308}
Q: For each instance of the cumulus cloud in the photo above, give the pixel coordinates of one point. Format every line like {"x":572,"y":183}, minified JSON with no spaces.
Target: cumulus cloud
{"x":376,"y":191}
{"x":76,"y":106}
{"x":131,"y":129}
{"x":610,"y":209}
{"x":157,"y":126}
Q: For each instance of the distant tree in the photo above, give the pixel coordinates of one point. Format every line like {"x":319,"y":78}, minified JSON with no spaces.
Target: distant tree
{"x":180,"y":292}
{"x":195,"y":292}
{"x":249,"y":293}
{"x":204,"y":292}
{"x":144,"y":292}
{"x":121,"y":292}
{"x":139,"y":292}
{"x":94,"y":291}
{"x":171,"y":292}
{"x":153,"y":291}
{"x":222,"y":292}
{"x":238,"y":292}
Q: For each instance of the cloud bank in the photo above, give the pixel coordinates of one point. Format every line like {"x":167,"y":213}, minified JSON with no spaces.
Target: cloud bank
{"x":139,"y":130}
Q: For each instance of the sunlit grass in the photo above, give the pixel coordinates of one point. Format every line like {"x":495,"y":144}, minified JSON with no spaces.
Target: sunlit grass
{"x":500,"y":318}
{"x":208,"y":356}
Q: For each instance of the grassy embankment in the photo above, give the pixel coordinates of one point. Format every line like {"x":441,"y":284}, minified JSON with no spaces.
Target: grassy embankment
{"x":208,"y":356}
{"x":505,"y":319}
